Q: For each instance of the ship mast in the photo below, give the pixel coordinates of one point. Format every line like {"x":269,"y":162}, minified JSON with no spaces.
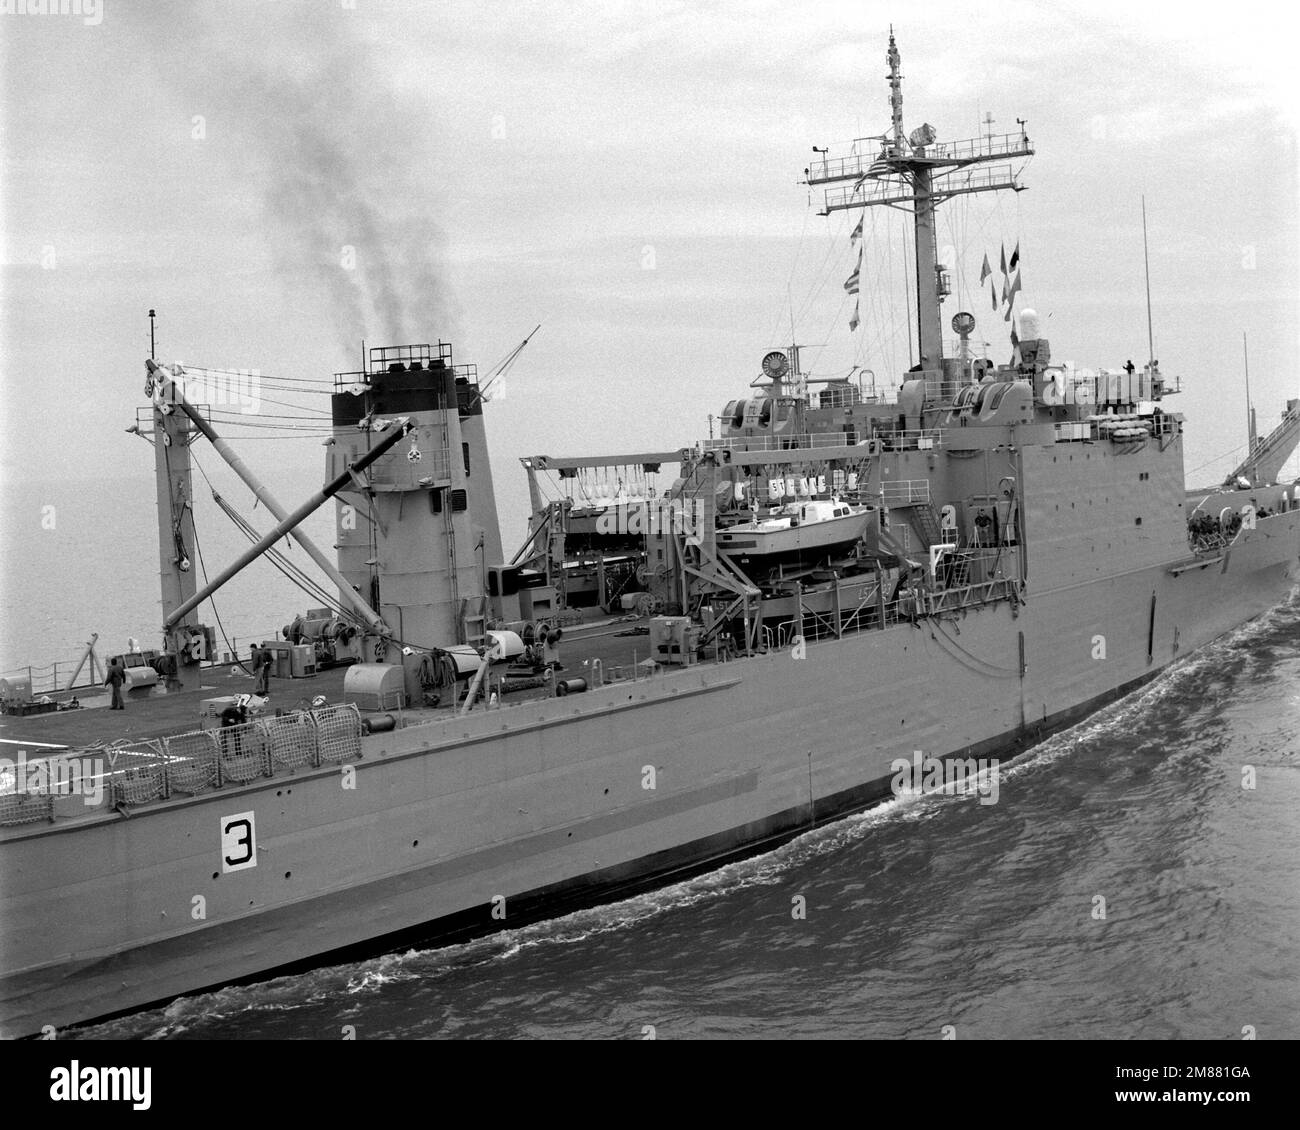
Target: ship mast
{"x":1251,"y":437}
{"x":929,"y":335}
{"x":1146,"y":266}
{"x":911,"y":170}
{"x":170,"y":433}
{"x":893,"y":58}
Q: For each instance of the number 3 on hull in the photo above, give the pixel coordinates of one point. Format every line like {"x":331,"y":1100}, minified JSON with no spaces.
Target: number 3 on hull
{"x":238,"y":842}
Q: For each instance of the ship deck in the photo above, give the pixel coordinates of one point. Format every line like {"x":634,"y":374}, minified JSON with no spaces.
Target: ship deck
{"x":151,"y":715}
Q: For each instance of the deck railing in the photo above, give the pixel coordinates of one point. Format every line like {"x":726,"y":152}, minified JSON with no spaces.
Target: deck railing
{"x":194,"y":762}
{"x":898,"y":439}
{"x":50,"y":679}
{"x":799,"y":441}
{"x":911,"y":439}
{"x":905,"y":492}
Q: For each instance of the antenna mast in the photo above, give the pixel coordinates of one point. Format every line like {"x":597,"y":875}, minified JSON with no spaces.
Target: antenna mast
{"x":1146,"y":259}
{"x":911,"y":169}
{"x":1250,"y":410}
{"x":893,"y":58}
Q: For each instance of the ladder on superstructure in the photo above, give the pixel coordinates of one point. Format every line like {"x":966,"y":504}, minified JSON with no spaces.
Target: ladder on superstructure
{"x":927,"y":523}
{"x":555,"y":538}
{"x":449,"y":529}
{"x":612,"y":593}
{"x":1268,"y":456}
{"x":958,"y":571}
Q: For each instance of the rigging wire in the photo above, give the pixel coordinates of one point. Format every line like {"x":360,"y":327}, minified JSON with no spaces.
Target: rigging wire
{"x":908,"y":296}
{"x":315,"y":412}
{"x":1234,"y":454}
{"x":198,"y":552}
{"x":235,"y":419}
{"x":237,"y":416}
{"x":893,"y":318}
{"x":177,"y":501}
{"x":316,"y":437}
{"x":290,"y":570}
{"x":833,"y":239}
{"x":884,"y":339}
{"x":261,"y":377}
{"x":789,"y":282}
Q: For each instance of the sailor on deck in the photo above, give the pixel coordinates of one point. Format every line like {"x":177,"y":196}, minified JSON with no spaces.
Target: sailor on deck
{"x":116,"y":677}
{"x":171,"y":672}
{"x":262,"y":668}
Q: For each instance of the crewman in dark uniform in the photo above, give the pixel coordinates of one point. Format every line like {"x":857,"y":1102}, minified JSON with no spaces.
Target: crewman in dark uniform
{"x":167,"y":668}
{"x":231,"y":737}
{"x":262,"y":668}
{"x":115,"y":679}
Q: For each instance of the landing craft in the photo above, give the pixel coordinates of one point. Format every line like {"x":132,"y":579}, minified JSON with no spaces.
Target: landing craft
{"x":510,"y":758}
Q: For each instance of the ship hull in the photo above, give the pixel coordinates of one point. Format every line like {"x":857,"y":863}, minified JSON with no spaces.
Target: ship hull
{"x":488,"y":821}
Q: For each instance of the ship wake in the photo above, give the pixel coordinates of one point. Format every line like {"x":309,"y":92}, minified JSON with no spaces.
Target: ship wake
{"x":345,"y":991}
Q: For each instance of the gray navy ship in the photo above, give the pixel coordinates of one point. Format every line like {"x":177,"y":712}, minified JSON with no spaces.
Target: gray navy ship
{"x":658,"y":679}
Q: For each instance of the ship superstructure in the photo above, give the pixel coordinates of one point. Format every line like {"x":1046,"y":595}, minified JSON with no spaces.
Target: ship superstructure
{"x":990,"y":555}
{"x":415,"y":535}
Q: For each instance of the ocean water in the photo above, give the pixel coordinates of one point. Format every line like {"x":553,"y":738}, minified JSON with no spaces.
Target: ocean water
{"x":81,"y":556}
{"x":924,"y":913}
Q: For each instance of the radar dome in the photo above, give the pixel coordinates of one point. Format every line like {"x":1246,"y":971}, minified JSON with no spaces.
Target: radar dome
{"x":1028,"y":325}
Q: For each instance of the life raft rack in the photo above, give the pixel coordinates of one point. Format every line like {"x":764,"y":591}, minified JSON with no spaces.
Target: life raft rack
{"x":1123,"y":429}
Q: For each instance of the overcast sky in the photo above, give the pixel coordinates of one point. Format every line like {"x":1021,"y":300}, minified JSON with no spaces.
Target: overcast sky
{"x":627,"y":175}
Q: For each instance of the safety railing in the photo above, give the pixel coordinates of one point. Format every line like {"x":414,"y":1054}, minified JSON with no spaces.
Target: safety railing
{"x":989,"y":145}
{"x":869,"y":615}
{"x":403,"y":358}
{"x":785,"y":442}
{"x":943,"y":392}
{"x":637,"y":671}
{"x":885,"y":188}
{"x":976,"y":350}
{"x":53,"y":678}
{"x":851,"y":165}
{"x":965,"y":596}
{"x":898,"y":439}
{"x":905,"y":492}
{"x":49,"y":678}
{"x":144,"y":418}
{"x":911,"y":439}
{"x":202,"y":760}
{"x":975,"y":563}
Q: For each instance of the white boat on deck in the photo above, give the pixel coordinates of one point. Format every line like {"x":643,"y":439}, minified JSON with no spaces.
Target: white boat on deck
{"x":802,"y":531}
